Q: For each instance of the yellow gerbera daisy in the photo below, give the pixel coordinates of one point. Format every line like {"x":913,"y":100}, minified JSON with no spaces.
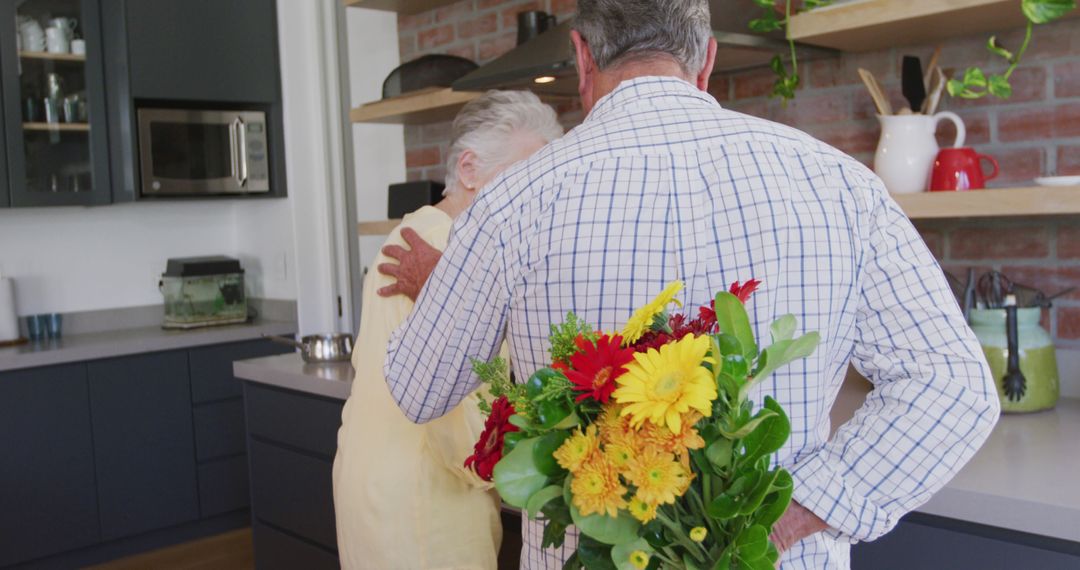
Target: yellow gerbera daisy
{"x":577,"y":449}
{"x":662,"y":385}
{"x":639,"y":559}
{"x":658,"y":477}
{"x":641,"y":510}
{"x":642,"y":318}
{"x":596,"y":488}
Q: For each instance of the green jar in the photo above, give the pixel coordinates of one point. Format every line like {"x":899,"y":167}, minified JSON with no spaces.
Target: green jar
{"x":1038,"y":359}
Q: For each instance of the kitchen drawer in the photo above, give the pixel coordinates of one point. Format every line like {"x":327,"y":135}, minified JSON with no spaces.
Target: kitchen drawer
{"x":299,"y":420}
{"x":219,"y":429}
{"x":223,"y":486}
{"x":276,"y":550}
{"x":212,"y":367}
{"x":293,"y":491}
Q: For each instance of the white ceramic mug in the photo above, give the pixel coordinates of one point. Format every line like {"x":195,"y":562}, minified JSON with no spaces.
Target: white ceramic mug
{"x":906,"y":150}
{"x":56,"y":40}
{"x":78,"y":47}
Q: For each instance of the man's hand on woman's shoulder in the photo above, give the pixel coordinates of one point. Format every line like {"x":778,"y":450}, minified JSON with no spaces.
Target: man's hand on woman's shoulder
{"x":413,"y":267}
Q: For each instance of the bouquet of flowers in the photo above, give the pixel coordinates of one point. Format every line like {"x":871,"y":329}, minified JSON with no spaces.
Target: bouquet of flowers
{"x":646,"y":440}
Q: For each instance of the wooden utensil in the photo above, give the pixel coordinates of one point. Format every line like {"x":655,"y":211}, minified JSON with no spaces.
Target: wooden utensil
{"x":876,"y":92}
{"x":931,"y":65}
{"x":931,"y":104}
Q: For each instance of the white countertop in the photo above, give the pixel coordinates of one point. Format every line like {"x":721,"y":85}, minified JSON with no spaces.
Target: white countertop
{"x":1025,"y":478}
{"x":124,"y":342}
{"x":291,"y":372}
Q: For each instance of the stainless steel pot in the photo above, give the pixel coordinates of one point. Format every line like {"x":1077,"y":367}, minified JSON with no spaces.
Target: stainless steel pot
{"x":320,"y":348}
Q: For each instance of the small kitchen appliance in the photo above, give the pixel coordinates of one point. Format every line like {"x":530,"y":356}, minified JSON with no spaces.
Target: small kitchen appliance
{"x":408,"y":197}
{"x":202,"y":292}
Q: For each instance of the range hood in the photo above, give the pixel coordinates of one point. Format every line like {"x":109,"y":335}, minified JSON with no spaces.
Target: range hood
{"x":545,"y":65}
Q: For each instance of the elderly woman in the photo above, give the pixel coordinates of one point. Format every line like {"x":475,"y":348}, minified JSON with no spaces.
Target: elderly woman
{"x":402,"y":496}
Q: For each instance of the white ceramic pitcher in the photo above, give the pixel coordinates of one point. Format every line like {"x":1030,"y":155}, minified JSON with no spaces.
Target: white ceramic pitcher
{"x":905,"y":154}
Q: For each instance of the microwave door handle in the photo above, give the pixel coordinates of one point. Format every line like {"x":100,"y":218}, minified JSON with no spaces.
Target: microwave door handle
{"x":241,"y":163}
{"x":234,"y":169}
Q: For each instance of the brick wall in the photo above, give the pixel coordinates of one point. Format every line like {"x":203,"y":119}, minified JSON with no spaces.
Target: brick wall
{"x":1036,"y":132}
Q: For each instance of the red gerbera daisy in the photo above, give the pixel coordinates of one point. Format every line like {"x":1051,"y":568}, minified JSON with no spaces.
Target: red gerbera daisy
{"x":744,"y":290}
{"x":596,"y":366}
{"x":488,"y":451}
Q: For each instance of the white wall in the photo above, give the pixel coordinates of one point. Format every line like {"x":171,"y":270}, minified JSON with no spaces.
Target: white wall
{"x":378,"y":150}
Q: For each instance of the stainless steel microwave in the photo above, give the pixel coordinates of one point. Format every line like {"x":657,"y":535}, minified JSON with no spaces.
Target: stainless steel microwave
{"x":195,"y":152}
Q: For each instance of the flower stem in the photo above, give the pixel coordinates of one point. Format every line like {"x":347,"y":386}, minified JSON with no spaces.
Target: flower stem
{"x":791,"y":42}
{"x":1020,"y":53}
{"x":695,"y":549}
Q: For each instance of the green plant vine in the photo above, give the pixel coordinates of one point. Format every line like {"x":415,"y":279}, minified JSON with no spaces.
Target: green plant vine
{"x":976,"y":83}
{"x":786,"y":81}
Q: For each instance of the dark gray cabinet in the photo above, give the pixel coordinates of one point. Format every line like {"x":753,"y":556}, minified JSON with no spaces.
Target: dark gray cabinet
{"x":924,"y":541}
{"x":47,"y":492}
{"x":143,"y":443}
{"x":203,"y":50}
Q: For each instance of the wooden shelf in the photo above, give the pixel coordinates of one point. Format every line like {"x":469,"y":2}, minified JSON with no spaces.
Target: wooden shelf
{"x":399,"y":6}
{"x":429,"y":105}
{"x":76,"y":127}
{"x":52,"y":56}
{"x":868,"y":25}
{"x":1001,"y":203}
{"x":380,"y":228}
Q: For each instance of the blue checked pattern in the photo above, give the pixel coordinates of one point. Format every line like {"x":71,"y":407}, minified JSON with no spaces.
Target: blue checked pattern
{"x":660,"y":183}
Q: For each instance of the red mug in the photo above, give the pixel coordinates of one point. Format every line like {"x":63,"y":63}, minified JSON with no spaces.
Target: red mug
{"x":960,"y":169}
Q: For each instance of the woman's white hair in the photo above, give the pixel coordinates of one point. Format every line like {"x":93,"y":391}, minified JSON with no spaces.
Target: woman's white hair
{"x":487,"y":124}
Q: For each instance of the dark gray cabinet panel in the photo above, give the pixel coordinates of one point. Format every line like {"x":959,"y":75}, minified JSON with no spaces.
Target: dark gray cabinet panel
{"x":280,"y":551}
{"x":212,"y":368}
{"x":922,"y":541}
{"x":219,"y":429}
{"x":143,"y":442}
{"x":223,"y":486}
{"x":299,"y":420}
{"x":203,"y":50}
{"x":47,"y":499}
{"x":293,"y":491}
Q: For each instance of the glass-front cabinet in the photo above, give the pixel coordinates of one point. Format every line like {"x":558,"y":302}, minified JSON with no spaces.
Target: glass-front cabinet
{"x":54,"y":102}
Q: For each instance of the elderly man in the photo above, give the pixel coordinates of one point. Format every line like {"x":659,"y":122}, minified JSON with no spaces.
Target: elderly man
{"x":660,"y":183}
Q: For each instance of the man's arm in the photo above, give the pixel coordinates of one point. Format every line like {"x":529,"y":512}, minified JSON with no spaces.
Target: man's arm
{"x":413,"y":267}
{"x":460,"y":314}
{"x":934,"y":402}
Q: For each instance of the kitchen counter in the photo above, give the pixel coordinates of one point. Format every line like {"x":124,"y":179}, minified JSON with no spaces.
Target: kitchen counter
{"x":1023,"y":479}
{"x":291,"y":372}
{"x":123,"y":342}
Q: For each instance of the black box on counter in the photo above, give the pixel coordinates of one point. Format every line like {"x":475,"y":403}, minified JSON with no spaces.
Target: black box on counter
{"x":409,"y":197}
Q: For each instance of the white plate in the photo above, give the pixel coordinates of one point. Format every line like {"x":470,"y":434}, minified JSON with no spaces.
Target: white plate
{"x":1058,"y":181}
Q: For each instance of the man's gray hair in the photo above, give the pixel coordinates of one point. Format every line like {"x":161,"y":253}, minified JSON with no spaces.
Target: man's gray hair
{"x":486,"y":124}
{"x":620,"y":30}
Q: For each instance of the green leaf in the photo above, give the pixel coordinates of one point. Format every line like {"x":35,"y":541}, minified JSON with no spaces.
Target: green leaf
{"x":783,"y":353}
{"x":595,"y":555}
{"x":999,"y":87}
{"x":728,"y":344}
{"x":755,"y":497}
{"x":516,"y":475}
{"x":996,"y":48}
{"x":776,"y":502}
{"x":552,"y":412}
{"x":689,"y":563}
{"x":735,"y":366}
{"x":620,"y":553}
{"x":545,"y":448}
{"x":723,"y":507}
{"x":770,"y":435}
{"x":608,"y":530}
{"x":777,"y":65}
{"x":768,"y":23}
{"x":724,"y":562}
{"x":748,"y":427}
{"x":572,"y":563}
{"x":766,"y":4}
{"x":1044,"y":11}
{"x":653,"y":533}
{"x":542,"y":498}
{"x":569,"y":421}
{"x":759,"y":564}
{"x":752,"y":543}
{"x":783,"y":328}
{"x":955,"y":87}
{"x":719,"y":453}
{"x":554,"y":534}
{"x":974,"y":77}
{"x":520,"y":421}
{"x":510,"y":441}
{"x":732,"y":318}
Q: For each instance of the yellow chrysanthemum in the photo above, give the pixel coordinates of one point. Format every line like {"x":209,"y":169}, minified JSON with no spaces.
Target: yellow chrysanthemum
{"x":577,"y":449}
{"x":619,"y":456}
{"x":662,"y":385}
{"x":658,"y":477}
{"x":641,"y":510}
{"x":698,"y":534}
{"x":661,"y":437}
{"x":639,"y":559}
{"x":642,"y":318}
{"x":596,"y":488}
